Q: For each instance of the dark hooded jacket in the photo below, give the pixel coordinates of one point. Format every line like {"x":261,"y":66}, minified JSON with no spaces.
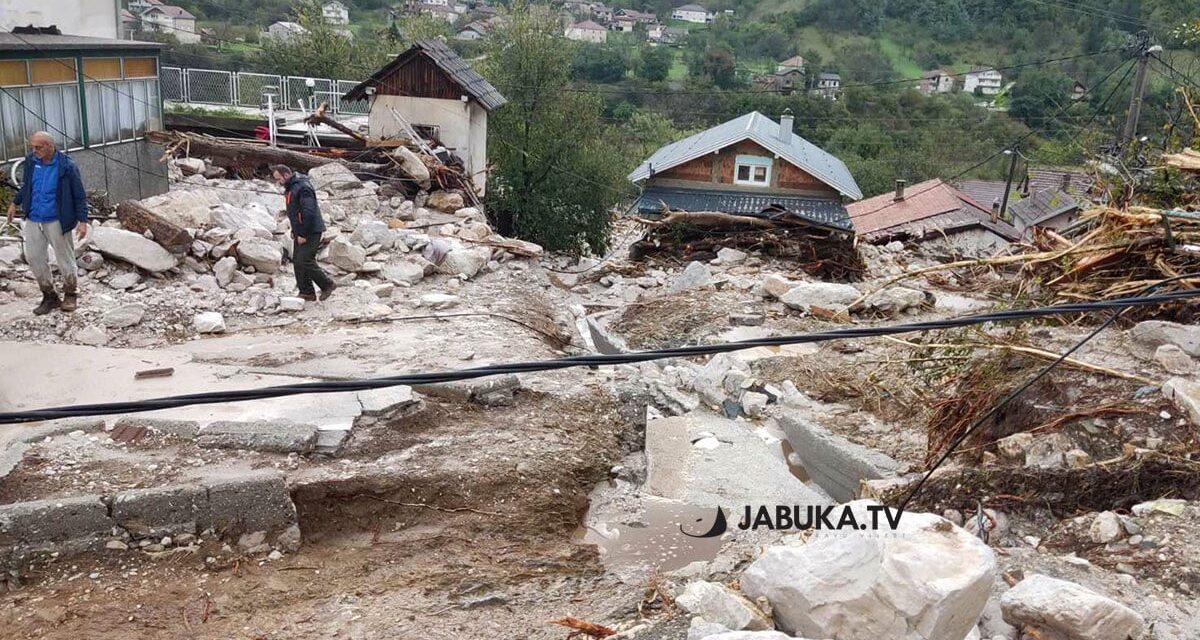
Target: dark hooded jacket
{"x":302,"y":209}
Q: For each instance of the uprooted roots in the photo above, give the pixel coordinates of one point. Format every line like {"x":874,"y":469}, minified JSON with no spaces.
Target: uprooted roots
{"x":1117,"y":484}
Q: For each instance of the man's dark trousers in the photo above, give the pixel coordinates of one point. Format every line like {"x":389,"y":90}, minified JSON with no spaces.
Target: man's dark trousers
{"x":304,"y":258}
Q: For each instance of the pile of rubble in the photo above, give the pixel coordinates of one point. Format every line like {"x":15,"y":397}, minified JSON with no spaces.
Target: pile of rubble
{"x":184,"y":261}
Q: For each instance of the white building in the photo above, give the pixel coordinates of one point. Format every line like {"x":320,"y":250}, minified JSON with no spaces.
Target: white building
{"x":587,"y":31}
{"x":94,"y":18}
{"x":166,"y":18}
{"x":692,"y":13}
{"x":284,"y":31}
{"x":335,"y":13}
{"x":937,"y":81}
{"x":440,"y":96}
{"x":988,"y":80}
{"x":828,"y":86}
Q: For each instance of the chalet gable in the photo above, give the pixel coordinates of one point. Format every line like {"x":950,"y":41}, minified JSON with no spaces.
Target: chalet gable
{"x":429,"y":69}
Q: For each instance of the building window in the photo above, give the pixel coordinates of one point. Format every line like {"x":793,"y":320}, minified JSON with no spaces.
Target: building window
{"x":427,"y":131}
{"x":752,"y":170}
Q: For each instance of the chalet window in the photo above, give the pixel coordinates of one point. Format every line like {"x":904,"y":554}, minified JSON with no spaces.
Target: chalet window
{"x":752,"y":170}
{"x":427,"y":131}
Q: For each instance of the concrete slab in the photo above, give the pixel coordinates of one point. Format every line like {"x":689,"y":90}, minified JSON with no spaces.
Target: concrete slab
{"x":277,"y":437}
{"x":707,"y":460}
{"x":153,"y":513}
{"x":255,"y":501}
{"x":78,"y":522}
{"x":382,"y":402}
{"x":836,"y":464}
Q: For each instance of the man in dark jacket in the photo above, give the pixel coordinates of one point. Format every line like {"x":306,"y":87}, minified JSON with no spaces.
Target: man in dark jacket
{"x":54,"y":203}
{"x":307,"y":228}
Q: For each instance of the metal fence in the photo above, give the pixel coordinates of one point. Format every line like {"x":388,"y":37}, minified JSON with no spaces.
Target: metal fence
{"x":245,"y":89}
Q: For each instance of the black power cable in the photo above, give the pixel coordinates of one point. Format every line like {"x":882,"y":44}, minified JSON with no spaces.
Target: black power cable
{"x":1041,"y":374}
{"x":576,"y":361}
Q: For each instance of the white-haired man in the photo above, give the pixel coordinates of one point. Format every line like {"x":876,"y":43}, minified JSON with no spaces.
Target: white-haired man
{"x":54,"y":203}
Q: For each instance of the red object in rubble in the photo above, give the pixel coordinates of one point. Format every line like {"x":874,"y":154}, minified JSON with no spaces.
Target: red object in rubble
{"x":262,"y":133}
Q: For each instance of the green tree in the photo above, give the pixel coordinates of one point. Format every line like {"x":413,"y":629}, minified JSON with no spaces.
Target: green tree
{"x":557,"y":176}
{"x":1039,"y":94}
{"x":598,"y":63}
{"x":322,"y":51}
{"x":656,"y":63}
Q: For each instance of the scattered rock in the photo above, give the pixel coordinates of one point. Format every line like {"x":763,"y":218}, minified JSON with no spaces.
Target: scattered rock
{"x":1106,"y":528}
{"x":92,"y":336}
{"x":715,"y":603}
{"x":132,"y":248}
{"x":931,"y":580}
{"x":894,"y":300}
{"x":224,"y":270}
{"x":747,"y":319}
{"x":1071,"y":610}
{"x":409,"y":270}
{"x":208,"y":322}
{"x":1155,"y":333}
{"x":439,"y":300}
{"x":694,"y":276}
{"x":190,"y":166}
{"x":754,"y":404}
{"x":823,"y":294}
{"x":1174,"y":359}
{"x":1048,"y":451}
{"x":728,"y":256}
{"x":466,"y":262}
{"x":775,"y":285}
{"x":289,"y":303}
{"x":411,"y":163}
{"x":346,"y":256}
{"x":124,"y":316}
{"x":445,"y":201}
{"x":89,"y":261}
{"x":124,"y":281}
{"x":264,"y":255}
{"x":334,"y":176}
{"x":250,"y":216}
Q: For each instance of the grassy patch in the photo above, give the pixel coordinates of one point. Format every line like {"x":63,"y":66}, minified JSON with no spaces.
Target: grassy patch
{"x":901,"y":60}
{"x":679,"y":68}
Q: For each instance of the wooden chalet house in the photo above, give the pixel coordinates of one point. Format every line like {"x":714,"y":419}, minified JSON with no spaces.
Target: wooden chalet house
{"x":440,"y":96}
{"x":750,"y":166}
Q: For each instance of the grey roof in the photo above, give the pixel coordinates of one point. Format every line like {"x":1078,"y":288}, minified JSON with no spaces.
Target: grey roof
{"x":819,"y":212}
{"x":692,"y":7}
{"x":449,"y":62}
{"x":829,"y":76}
{"x":1041,"y":206}
{"x":941,"y":225}
{"x":763,"y":131}
{"x":41,"y":42}
{"x":986,"y":192}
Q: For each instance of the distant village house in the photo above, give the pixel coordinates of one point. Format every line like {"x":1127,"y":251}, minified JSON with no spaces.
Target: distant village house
{"x":587,"y":31}
{"x":827,"y":85}
{"x":987,"y":80}
{"x":169,"y":19}
{"x":440,"y":98}
{"x":284,"y":31}
{"x":692,"y":13}
{"x":937,"y":81}
{"x":335,"y":13}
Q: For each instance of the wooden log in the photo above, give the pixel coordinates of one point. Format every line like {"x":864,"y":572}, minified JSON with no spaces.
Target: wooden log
{"x":319,"y":117}
{"x":232,"y":153}
{"x":138,"y":219}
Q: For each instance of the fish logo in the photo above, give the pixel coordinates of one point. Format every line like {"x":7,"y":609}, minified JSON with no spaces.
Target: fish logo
{"x":718,"y":527}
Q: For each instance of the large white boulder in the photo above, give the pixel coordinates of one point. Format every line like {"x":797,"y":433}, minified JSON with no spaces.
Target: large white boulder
{"x":1073,"y":611}
{"x":774,"y":286}
{"x":927,"y":580}
{"x":411,"y":164}
{"x":264,"y":255}
{"x":208,"y":322}
{"x":187,"y":208}
{"x":445,"y":201}
{"x":716,"y":603}
{"x":694,"y":276}
{"x":894,"y":300}
{"x":465,"y":262}
{"x":827,"y":295}
{"x":124,"y":316}
{"x":251,"y":216}
{"x":132,"y":248}
{"x":333,"y":177}
{"x":409,"y":270}
{"x":346,"y":255}
{"x":373,"y":232}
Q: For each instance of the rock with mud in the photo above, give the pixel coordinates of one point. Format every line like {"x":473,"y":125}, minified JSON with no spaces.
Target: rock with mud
{"x":445,"y":201}
{"x":695,"y":275}
{"x":132,"y":248}
{"x":1070,"y":610}
{"x":124,"y":316}
{"x":930,"y":581}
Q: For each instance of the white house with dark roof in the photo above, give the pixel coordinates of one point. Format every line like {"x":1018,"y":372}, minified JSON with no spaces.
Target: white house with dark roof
{"x":692,"y":13}
{"x":335,"y":12}
{"x":173,"y":20}
{"x":440,"y":96}
{"x":284,"y":30}
{"x":744,"y":167}
{"x":986,"y":79}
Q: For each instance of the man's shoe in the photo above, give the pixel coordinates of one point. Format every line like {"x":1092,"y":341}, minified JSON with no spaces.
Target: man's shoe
{"x":311,"y":297}
{"x":325,"y":293}
{"x":49,"y":303}
{"x":69,"y":302}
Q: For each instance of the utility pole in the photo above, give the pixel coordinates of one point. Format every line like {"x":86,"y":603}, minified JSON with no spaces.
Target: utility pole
{"x":1012,"y":172}
{"x":1144,"y":53}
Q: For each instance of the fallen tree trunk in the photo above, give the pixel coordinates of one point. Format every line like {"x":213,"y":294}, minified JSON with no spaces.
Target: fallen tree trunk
{"x":710,"y":220}
{"x":235,"y":154}
{"x":319,"y":117}
{"x":138,"y":219}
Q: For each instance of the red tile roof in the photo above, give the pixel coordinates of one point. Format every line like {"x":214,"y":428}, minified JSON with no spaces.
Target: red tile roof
{"x":878,"y":216}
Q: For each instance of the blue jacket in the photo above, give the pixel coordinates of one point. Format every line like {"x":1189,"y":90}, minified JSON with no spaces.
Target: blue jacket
{"x":71,"y":198}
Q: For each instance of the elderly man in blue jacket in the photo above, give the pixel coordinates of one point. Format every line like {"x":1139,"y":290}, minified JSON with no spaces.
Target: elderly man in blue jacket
{"x":54,"y":203}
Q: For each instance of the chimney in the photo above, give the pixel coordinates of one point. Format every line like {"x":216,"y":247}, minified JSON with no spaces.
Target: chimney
{"x":899,"y":190}
{"x":995,"y":210}
{"x":1066,"y":180}
{"x":785,"y":126}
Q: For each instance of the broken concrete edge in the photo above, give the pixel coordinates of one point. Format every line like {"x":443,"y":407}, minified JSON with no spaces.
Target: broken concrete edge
{"x":229,"y":507}
{"x":489,"y":391}
{"x":834,"y":463}
{"x":606,"y":342}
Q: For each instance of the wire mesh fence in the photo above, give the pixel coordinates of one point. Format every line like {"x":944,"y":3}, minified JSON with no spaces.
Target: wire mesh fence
{"x":246,"y":89}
